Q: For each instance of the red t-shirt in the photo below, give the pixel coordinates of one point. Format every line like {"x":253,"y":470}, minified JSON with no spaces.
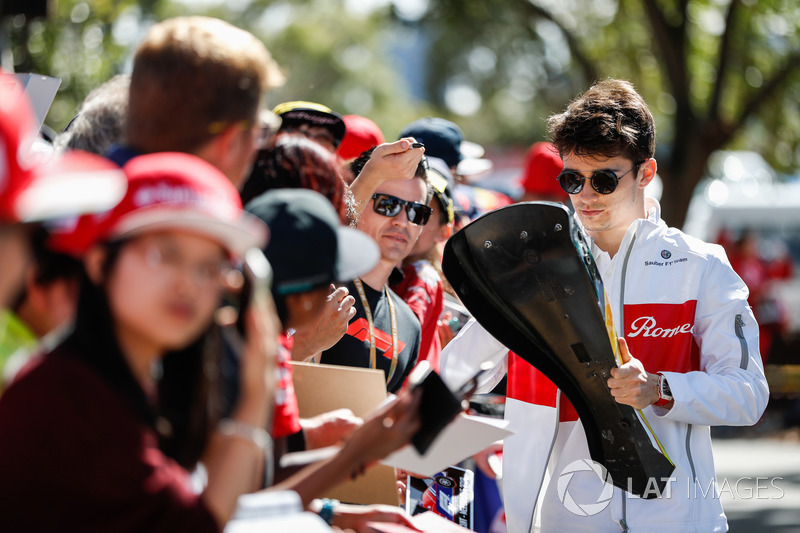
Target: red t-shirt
{"x":423,"y":291}
{"x":75,"y":456}
{"x":286,"y":420}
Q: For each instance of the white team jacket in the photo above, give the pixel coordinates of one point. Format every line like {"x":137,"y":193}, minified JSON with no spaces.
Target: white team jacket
{"x":684,"y":312}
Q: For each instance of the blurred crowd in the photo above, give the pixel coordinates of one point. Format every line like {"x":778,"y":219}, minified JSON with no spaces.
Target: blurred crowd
{"x":146,"y":347}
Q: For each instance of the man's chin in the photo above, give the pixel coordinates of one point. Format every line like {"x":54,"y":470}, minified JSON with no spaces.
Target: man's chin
{"x":394,"y":255}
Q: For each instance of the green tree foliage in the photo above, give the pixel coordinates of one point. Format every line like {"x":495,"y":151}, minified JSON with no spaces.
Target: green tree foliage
{"x":332,"y":55}
{"x":335,"y":56}
{"x":83,"y":43}
{"x":717,"y":73}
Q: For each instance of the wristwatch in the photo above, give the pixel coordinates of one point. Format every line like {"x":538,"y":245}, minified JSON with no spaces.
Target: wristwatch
{"x":664,"y":392}
{"x":327,"y":511}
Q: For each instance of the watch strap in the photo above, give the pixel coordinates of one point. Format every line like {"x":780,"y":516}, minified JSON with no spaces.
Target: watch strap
{"x":326,"y":512}
{"x":664,"y":392}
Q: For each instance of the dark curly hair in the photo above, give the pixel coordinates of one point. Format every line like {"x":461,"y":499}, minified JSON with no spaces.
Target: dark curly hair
{"x":296,"y":162}
{"x":610,"y":119}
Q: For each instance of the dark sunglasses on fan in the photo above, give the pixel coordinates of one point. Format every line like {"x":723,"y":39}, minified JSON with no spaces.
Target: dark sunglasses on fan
{"x":603,"y":181}
{"x":390,"y":206}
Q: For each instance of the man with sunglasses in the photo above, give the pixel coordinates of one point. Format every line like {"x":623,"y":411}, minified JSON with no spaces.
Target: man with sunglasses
{"x":385,"y":333}
{"x":421,"y":287}
{"x":688,"y":341}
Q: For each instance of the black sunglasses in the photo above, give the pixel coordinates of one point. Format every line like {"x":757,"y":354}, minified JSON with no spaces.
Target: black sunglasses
{"x":390,"y":206}
{"x":603,"y":181}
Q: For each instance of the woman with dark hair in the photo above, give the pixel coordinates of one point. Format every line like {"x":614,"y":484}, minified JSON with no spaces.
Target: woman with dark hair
{"x":296,"y":162}
{"x":98,"y":435}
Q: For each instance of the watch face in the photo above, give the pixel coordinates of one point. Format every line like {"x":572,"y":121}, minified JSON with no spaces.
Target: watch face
{"x":665,"y":391}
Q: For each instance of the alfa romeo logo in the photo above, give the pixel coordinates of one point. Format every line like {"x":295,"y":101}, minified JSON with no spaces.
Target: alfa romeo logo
{"x":584,"y":508}
{"x":666,"y":254}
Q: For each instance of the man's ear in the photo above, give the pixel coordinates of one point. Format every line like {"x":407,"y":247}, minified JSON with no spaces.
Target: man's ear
{"x":93,"y":262}
{"x":219,"y":149}
{"x":445,"y":232}
{"x":648,"y":171}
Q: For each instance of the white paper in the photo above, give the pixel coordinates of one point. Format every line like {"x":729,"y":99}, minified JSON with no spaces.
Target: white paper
{"x":464,"y":437}
{"x":41,"y":91}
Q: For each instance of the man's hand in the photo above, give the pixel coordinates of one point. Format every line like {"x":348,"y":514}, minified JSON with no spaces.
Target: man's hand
{"x":389,"y":161}
{"x":489,"y":461}
{"x":329,"y":428}
{"x":387,"y":429}
{"x":330,"y":326}
{"x":357,"y":517}
{"x":631,"y":384}
{"x":257,"y":371}
{"x":444,"y":330}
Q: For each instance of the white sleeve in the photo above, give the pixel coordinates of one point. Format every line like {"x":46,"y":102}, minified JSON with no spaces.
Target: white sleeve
{"x":730,"y":388}
{"x":462,"y":358}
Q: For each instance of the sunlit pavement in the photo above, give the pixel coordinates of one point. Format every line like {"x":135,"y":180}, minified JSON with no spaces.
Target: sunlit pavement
{"x":759,"y":482}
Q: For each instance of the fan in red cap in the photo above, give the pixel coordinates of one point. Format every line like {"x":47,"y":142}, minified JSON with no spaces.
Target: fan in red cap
{"x":361,"y":135}
{"x":170,"y":190}
{"x":540,"y":178}
{"x":30,"y":192}
{"x":151,"y":285}
{"x":76,"y":183}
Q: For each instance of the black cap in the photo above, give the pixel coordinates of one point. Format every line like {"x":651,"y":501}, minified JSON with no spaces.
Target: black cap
{"x":308,"y":248}
{"x":294,"y":113}
{"x":441,"y":138}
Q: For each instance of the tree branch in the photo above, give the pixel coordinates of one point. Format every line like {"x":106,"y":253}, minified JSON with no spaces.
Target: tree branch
{"x":670,"y":42}
{"x":586,"y":64}
{"x":722,"y":60}
{"x":768,"y":89}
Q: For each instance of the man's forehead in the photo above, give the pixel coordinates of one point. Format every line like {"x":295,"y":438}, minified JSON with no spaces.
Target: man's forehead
{"x":406,"y":189}
{"x":594,"y":160}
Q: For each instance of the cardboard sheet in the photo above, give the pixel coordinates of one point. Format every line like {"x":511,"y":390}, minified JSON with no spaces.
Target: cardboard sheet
{"x":322,"y":388}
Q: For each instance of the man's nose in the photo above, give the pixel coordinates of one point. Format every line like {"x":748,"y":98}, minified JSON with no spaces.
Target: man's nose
{"x":587,"y":192}
{"x":401,"y":219}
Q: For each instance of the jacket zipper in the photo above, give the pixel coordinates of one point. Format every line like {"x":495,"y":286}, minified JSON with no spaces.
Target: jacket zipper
{"x":689,"y":450}
{"x":623,"y":523}
{"x":549,"y":454}
{"x":738,"y":325}
{"x":622,"y":284}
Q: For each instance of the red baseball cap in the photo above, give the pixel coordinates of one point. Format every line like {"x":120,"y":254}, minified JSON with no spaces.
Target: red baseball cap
{"x":30,"y":191}
{"x":360,"y":135}
{"x":170,"y":190}
{"x":542,"y":166}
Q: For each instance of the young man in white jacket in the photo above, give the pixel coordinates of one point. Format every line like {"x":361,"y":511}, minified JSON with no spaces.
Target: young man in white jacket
{"x":688,"y":340}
